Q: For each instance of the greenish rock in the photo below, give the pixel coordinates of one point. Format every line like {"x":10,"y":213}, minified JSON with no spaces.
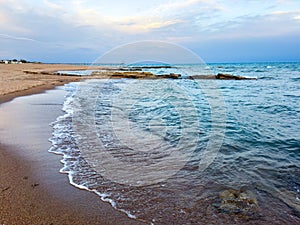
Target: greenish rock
{"x":237,"y":202}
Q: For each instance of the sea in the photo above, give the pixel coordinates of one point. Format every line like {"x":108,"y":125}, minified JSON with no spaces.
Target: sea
{"x":188,"y":151}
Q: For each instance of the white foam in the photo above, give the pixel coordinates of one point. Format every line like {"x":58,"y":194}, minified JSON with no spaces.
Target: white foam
{"x":59,"y":128}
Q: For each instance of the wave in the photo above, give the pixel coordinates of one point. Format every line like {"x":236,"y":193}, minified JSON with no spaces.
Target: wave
{"x":64,"y":143}
{"x":260,"y":151}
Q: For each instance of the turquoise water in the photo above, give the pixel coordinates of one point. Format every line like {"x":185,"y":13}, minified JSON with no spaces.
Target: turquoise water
{"x":163,"y":150}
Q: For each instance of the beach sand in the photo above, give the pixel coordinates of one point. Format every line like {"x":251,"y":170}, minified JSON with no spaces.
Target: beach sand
{"x":16,"y":81}
{"x":32,"y":191}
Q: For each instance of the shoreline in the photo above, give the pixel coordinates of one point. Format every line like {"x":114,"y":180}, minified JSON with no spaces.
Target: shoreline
{"x":15,"y":82}
{"x":29,"y":192}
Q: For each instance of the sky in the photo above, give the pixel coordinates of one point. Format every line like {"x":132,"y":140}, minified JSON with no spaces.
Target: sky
{"x":216,"y":30}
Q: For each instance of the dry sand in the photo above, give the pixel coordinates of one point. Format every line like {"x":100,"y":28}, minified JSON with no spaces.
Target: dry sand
{"x":14,"y":81}
{"x":29,"y":192}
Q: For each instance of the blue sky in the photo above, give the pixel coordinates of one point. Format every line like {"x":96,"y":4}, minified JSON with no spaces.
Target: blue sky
{"x":216,"y":30}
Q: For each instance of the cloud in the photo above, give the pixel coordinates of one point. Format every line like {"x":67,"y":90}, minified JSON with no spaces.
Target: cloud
{"x":274,"y":24}
{"x":5,"y":36}
{"x":147,"y":19}
{"x":10,"y":23}
{"x":297,"y":18}
{"x":176,"y":6}
{"x":148,"y":26}
{"x":82,"y":26}
{"x":138,"y":23}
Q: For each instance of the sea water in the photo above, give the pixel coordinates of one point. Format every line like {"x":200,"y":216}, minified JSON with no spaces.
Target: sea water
{"x":162,"y":151}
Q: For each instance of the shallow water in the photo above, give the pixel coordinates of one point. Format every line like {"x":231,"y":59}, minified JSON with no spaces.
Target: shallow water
{"x":163,"y":150}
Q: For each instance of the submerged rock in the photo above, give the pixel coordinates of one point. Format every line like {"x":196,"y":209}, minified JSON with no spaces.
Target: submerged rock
{"x":202,"y":77}
{"x":221,"y":76}
{"x":237,"y":202}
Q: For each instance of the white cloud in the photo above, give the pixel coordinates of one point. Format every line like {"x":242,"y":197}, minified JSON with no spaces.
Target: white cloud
{"x":174,"y":7}
{"x":5,"y":36}
{"x":297,"y":17}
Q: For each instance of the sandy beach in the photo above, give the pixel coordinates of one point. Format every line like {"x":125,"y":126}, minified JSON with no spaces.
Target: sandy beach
{"x":16,"y":81}
{"x":32,"y":191}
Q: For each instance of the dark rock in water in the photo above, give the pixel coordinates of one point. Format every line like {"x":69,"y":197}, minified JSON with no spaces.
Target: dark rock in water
{"x":172,"y":76}
{"x":220,"y":76}
{"x":132,"y":75}
{"x":223,"y":76}
{"x":237,"y":202}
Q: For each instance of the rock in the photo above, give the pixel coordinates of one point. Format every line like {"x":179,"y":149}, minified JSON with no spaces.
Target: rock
{"x":170,"y":76}
{"x":237,"y":202}
{"x":220,"y":76}
{"x":133,"y":75}
{"x":223,"y":76}
{"x":5,"y":189}
{"x":35,"y":185}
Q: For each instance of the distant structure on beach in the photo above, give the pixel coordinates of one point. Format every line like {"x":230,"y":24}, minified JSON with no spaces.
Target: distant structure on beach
{"x":14,"y":61}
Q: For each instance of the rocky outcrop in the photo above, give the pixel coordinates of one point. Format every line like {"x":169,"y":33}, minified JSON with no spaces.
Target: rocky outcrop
{"x":221,"y":76}
{"x":133,"y":75}
{"x":138,"y":73}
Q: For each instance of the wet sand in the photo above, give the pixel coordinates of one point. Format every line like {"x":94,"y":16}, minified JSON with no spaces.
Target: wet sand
{"x":32,"y":191}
